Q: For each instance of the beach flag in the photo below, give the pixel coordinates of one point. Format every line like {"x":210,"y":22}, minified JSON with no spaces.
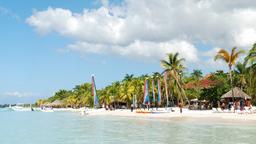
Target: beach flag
{"x":94,"y":94}
{"x":159,"y":92}
{"x":153,"y":90}
{"x":146,"y":95}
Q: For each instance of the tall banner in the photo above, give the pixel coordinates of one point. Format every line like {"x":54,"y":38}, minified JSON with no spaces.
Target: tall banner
{"x":159,"y":92}
{"x":153,"y":91}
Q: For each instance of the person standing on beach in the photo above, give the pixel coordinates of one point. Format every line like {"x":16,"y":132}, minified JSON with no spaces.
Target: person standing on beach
{"x":131,"y":107}
{"x":180,"y":106}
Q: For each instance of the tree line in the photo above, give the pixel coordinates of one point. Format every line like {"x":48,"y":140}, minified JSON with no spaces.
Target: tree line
{"x":174,"y":81}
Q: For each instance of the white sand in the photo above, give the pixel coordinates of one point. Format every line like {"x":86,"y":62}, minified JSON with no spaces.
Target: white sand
{"x":163,"y":113}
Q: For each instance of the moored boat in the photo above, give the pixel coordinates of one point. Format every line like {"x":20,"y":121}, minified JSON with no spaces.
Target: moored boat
{"x":144,"y":111}
{"x":21,"y":108}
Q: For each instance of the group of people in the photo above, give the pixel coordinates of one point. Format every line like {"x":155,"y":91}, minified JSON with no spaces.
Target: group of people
{"x":239,"y":104}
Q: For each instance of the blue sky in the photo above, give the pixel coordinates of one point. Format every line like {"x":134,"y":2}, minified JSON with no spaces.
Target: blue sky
{"x":50,"y":45}
{"x":31,"y":64}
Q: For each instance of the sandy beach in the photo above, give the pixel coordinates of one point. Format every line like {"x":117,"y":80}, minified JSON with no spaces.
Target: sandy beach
{"x":204,"y":115}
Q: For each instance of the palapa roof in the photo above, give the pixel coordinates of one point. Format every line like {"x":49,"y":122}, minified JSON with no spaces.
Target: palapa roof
{"x":238,"y":93}
{"x":57,"y":102}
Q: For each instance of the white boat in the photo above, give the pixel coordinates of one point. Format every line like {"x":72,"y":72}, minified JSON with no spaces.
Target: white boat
{"x":19,"y":107}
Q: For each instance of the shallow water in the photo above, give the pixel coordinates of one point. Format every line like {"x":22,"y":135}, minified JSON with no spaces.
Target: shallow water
{"x":71,"y":128}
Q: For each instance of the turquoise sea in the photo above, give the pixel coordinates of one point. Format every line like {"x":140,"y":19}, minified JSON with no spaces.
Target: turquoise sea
{"x":72,"y":128}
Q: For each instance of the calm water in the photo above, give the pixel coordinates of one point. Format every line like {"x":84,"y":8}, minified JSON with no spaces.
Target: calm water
{"x":71,"y":128}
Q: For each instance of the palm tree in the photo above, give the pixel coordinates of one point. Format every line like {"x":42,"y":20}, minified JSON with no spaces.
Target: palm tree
{"x":71,"y":100}
{"x":138,"y":84}
{"x":117,"y":92}
{"x":230,"y":59}
{"x":173,"y":66}
{"x":156,"y":75}
{"x":127,"y":89}
{"x":241,"y":72}
{"x":41,"y":102}
{"x":197,"y":74}
{"x":250,"y":61}
{"x":251,"y":57}
{"x":128,"y":77}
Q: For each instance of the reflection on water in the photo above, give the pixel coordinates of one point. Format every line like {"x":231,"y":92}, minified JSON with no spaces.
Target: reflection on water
{"x":71,"y":128}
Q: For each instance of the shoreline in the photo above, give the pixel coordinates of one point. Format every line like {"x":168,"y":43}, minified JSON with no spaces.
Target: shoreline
{"x":204,"y":115}
{"x":161,"y":113}
{"x":187,"y":116}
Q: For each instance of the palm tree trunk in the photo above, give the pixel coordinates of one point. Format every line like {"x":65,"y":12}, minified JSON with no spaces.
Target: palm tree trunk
{"x":231,"y":83}
{"x":250,"y":83}
{"x":166,"y":89}
{"x":182,"y":90}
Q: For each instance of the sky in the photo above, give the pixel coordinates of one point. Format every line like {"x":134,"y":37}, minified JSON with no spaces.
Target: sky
{"x":50,"y":45}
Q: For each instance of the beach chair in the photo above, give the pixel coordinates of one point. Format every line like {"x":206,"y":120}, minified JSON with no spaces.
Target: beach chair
{"x":240,"y":111}
{"x":253,"y":109}
{"x":214,"y":110}
{"x":220,"y":110}
{"x":247,"y":110}
{"x":226,"y":111}
{"x":232,"y":109}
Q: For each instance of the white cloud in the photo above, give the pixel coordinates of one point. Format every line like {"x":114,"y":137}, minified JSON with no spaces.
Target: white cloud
{"x":20,"y":94}
{"x":246,"y":37}
{"x":150,"y":29}
{"x":140,"y":49}
{"x":210,"y":53}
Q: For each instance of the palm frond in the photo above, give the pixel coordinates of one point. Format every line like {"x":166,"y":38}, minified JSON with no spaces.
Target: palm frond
{"x":223,"y":55}
{"x":251,"y":57}
{"x":180,"y":61}
{"x":165,"y":64}
{"x":175,"y":57}
{"x":233,"y":51}
{"x":235,"y":56}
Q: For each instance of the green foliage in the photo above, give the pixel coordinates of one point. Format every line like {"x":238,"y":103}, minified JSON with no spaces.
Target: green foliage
{"x":60,"y":95}
{"x":222,"y":86}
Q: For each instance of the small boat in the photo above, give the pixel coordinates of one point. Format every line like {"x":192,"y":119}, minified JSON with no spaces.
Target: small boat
{"x":21,"y":108}
{"x":144,"y":111}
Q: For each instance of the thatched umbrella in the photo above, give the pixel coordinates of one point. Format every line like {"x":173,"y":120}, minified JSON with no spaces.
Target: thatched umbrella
{"x":57,"y":103}
{"x":238,"y":93}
